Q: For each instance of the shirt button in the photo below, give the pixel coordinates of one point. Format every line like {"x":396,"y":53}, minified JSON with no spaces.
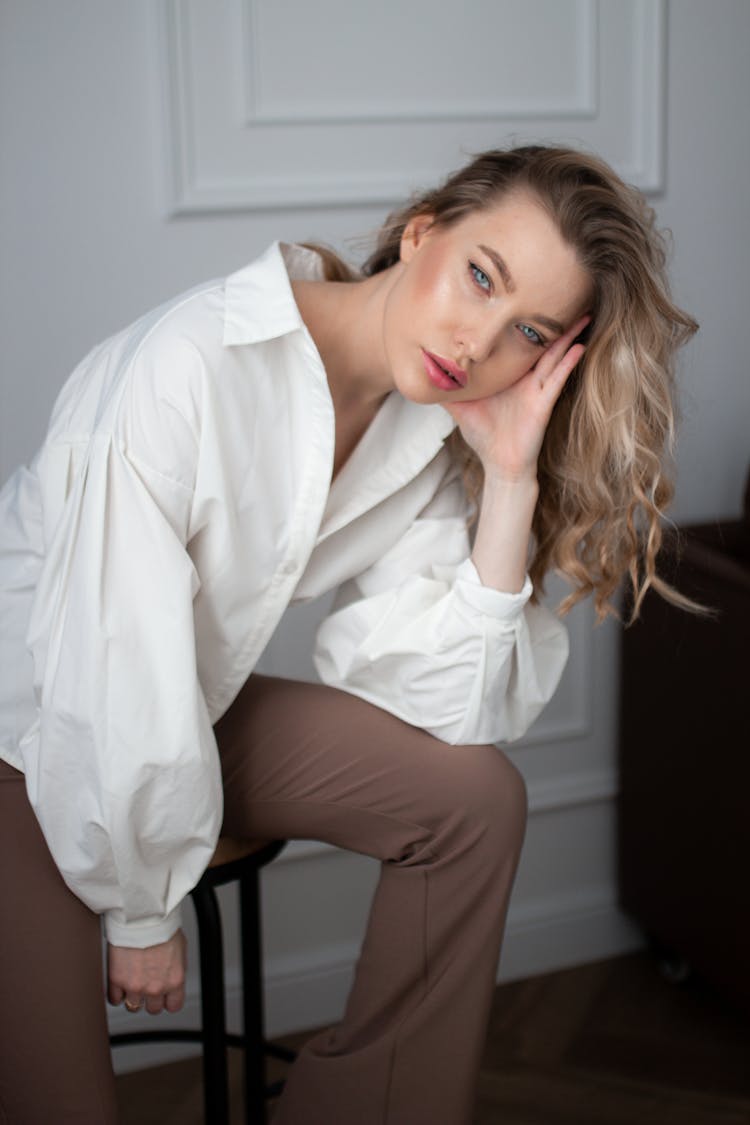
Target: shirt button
{"x":289,"y":567}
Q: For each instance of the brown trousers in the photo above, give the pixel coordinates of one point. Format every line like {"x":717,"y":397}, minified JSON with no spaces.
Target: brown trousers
{"x":299,"y":761}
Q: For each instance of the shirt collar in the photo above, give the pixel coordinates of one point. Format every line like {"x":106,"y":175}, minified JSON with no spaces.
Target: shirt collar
{"x":259,"y":303}
{"x":400,"y":441}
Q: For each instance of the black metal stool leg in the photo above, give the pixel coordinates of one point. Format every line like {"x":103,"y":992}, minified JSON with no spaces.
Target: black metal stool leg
{"x":215,"y":1070}
{"x":252,"y":999}
{"x":213,"y":1034}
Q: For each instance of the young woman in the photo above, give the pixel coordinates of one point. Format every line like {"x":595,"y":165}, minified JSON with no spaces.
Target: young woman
{"x":259,"y":441}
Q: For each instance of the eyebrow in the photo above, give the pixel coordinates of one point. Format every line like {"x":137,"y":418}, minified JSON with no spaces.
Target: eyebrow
{"x":500,"y":266}
{"x":510,"y":285}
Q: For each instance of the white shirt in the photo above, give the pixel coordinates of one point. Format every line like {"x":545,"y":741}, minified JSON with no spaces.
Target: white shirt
{"x":181,"y":501}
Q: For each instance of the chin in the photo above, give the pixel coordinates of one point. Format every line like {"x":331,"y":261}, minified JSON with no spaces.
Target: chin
{"x":420,"y":396}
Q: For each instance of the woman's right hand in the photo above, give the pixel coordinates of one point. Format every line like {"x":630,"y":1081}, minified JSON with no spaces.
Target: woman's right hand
{"x":506,"y":429}
{"x":153,"y":977}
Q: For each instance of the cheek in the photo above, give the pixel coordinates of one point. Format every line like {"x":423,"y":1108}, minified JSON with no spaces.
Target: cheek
{"x":430,"y":284}
{"x":439,"y":283}
{"x":423,"y":305}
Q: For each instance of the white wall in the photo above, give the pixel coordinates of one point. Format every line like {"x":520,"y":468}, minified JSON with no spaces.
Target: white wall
{"x":89,"y":238}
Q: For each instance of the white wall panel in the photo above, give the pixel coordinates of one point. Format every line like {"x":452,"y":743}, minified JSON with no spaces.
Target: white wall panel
{"x":410,"y":61}
{"x":274,"y":104}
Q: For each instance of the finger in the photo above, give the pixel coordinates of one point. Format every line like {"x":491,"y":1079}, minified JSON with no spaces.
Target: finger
{"x":115,"y":994}
{"x":565,"y":348}
{"x":174,"y":999}
{"x":155,"y":1004}
{"x":133,"y":1002}
{"x":577,"y":327}
{"x":554,"y":382}
{"x":556,"y":351}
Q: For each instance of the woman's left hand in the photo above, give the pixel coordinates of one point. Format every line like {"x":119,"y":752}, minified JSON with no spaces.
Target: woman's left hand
{"x":153,"y":977}
{"x":506,"y":430}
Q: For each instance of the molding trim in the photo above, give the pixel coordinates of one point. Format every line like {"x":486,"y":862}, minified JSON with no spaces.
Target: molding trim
{"x":176,"y":95}
{"x":649,"y":95}
{"x":573,"y":790}
{"x":258,"y":109}
{"x":199,"y":190}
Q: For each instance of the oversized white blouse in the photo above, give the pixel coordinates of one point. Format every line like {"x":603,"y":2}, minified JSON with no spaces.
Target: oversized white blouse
{"x":180,"y":502}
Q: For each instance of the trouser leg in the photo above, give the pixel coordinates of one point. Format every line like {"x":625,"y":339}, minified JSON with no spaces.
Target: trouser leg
{"x":55,"y":1063}
{"x":305,"y":761}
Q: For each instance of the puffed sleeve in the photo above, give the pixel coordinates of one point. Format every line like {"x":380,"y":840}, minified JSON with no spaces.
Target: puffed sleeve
{"x":420,"y":636}
{"x":122,"y":768}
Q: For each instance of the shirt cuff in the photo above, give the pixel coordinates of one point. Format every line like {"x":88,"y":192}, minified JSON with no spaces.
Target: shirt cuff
{"x":486,"y":600}
{"x":144,"y":932}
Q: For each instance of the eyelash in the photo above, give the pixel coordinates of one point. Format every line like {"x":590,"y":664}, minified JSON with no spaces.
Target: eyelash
{"x":536,"y":340}
{"x":474,"y":270}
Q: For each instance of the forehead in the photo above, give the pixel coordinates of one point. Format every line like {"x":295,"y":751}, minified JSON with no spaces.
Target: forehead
{"x":519,"y":220}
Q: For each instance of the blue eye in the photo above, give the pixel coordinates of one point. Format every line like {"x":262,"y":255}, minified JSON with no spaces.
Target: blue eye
{"x":531,"y":335}
{"x":480,"y":277}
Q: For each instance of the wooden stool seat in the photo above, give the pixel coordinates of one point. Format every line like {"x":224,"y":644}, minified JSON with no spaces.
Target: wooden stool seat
{"x":229,"y":850}
{"x":233,"y":860}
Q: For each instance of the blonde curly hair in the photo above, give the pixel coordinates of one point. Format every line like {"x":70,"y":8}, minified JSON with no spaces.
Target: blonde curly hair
{"x":605,"y":470}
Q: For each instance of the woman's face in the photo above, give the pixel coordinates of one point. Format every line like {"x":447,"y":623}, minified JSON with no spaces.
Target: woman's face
{"x":473,"y":306}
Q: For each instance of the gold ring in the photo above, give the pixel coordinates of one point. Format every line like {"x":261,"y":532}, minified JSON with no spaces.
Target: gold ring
{"x":133,"y":1007}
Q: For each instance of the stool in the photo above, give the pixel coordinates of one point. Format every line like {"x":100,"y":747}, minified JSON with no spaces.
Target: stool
{"x":239,"y":860}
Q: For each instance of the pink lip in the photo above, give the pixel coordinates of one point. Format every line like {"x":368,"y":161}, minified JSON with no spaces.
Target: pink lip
{"x":443,"y":373}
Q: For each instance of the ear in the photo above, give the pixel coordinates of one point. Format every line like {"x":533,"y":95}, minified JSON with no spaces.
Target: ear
{"x":414,"y":235}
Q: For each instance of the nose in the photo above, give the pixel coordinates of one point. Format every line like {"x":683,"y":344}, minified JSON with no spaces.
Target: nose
{"x":476,"y":341}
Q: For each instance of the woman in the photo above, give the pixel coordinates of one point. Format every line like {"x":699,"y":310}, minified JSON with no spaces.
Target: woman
{"x":261,"y":440}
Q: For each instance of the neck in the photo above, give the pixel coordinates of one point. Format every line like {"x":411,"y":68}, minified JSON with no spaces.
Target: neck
{"x":345,"y":321}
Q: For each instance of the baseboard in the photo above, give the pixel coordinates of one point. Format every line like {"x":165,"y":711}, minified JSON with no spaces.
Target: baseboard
{"x":561,"y":932}
{"x":310,"y":991}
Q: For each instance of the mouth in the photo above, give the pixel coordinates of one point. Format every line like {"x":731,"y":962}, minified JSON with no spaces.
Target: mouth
{"x":443,"y":373}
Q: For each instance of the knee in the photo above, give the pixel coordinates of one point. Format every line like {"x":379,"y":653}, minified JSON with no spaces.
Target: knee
{"x":502,"y":792}
{"x":490,"y":799}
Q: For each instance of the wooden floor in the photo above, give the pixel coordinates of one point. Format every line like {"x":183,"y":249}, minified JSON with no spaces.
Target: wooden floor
{"x":613,"y":1043}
